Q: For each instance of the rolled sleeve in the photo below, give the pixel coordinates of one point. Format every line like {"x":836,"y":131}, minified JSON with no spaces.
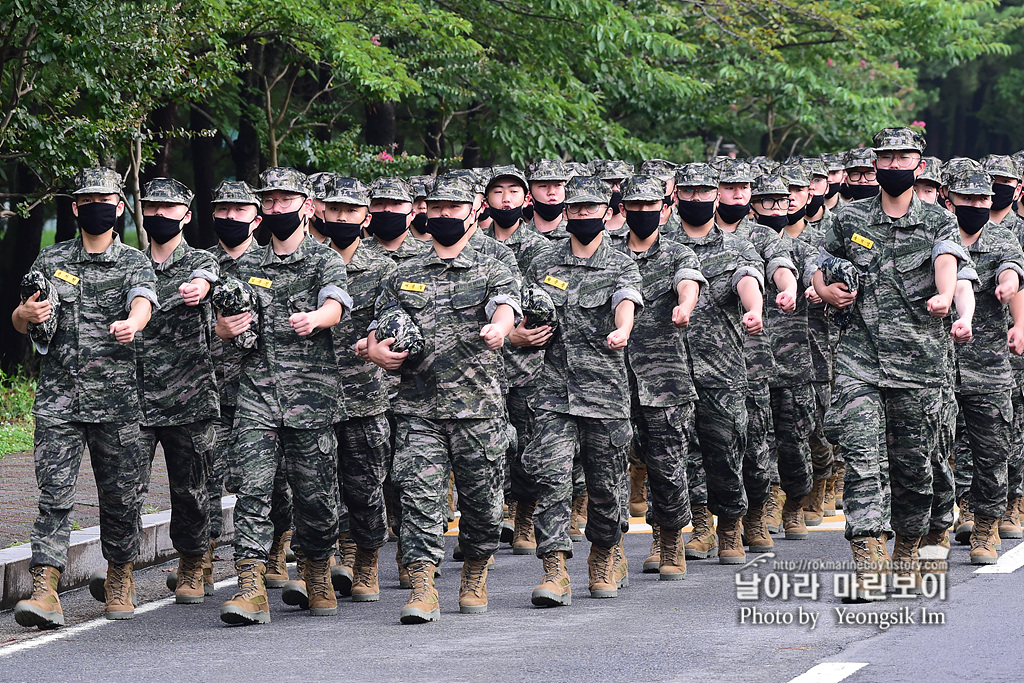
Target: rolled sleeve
{"x":742,"y":272}
{"x":339,"y":295}
{"x":204,"y":274}
{"x":971,"y":275}
{"x":949,"y":247}
{"x":1003,"y":267}
{"x":628,"y":293}
{"x":145,"y":292}
{"x":492,"y":305}
{"x":683,"y":274}
{"x":779,"y":262}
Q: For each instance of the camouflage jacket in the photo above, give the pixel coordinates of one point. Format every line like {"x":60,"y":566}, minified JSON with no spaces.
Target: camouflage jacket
{"x":1015,"y":224}
{"x":229,"y":359}
{"x":363,"y":381}
{"x":656,"y":357}
{"x":715,"y":335}
{"x":87,"y":375}
{"x":581,"y":375}
{"x":983,"y":364}
{"x":459,"y":377}
{"x":176,"y":378}
{"x":821,"y":334}
{"x":524,"y":243}
{"x":558,"y":234}
{"x":409,"y":248}
{"x":892,"y":341}
{"x":488,"y":246}
{"x":292,"y":381}
{"x":673,"y":226}
{"x":788,"y":332}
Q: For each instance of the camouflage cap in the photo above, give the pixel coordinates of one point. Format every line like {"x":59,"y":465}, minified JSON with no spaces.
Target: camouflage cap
{"x":833,"y":270}
{"x":659,"y":168}
{"x":859,"y":157}
{"x":476,"y":177}
{"x":234,"y":297}
{"x":696,"y":175}
{"x":733,"y":170}
{"x":538,"y":307}
{"x":586,"y":189}
{"x":320,"y":181}
{"x":395,"y":323}
{"x":958,"y":166}
{"x":610,"y":169}
{"x":343,"y":190}
{"x":1018,"y":158}
{"x":508,"y":171}
{"x":41,"y":333}
{"x":895,"y":139}
{"x":390,"y":187}
{"x":483,"y":176}
{"x":794,"y":174}
{"x":971,"y":183}
{"x":833,"y":162}
{"x":547,"y":169}
{"x":575,"y":168}
{"x":99,"y":180}
{"x":814,"y":167}
{"x":770,"y":185}
{"x":418,"y":184}
{"x":453,"y":186}
{"x":234,"y":192}
{"x":167,"y":190}
{"x":284,"y":179}
{"x":642,"y":188}
{"x":1000,"y":165}
{"x":762,"y":165}
{"x":932,"y":171}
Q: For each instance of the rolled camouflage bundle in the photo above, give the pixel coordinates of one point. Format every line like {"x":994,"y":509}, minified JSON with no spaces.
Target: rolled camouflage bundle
{"x":396,"y":323}
{"x":833,"y":270}
{"x":234,"y":297}
{"x":538,"y":308}
{"x":41,"y":333}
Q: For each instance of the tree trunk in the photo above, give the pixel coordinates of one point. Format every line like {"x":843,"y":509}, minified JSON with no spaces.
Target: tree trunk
{"x":246,"y":152}
{"x":163,"y":119}
{"x":380,"y":129}
{"x":199,"y":232}
{"x":66,"y":225}
{"x":18,"y":250}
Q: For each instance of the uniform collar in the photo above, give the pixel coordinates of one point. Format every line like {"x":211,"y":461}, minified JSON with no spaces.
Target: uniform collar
{"x":598,"y":260}
{"x":176,"y":255}
{"x":112,"y":253}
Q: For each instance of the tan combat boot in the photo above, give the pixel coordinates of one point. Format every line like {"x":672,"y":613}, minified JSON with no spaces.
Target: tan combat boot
{"x":277,"y":564}
{"x":322,"y":600}
{"x":814,"y":504}
{"x":578,"y":519}
{"x":829,"y":506}
{"x":983,"y":538}
{"x":673,"y":564}
{"x":208,"y":588}
{"x":473,"y":590}
{"x":250,"y":604}
{"x":906,"y":568}
{"x":793,"y":520}
{"x":730,"y":541}
{"x":867,"y":585}
{"x":637,"y":490}
{"x":423,"y":603}
{"x":756,"y":531}
{"x":508,"y":529}
{"x":190,"y":589}
{"x":600,"y":570}
{"x":119,"y":590}
{"x":365,"y":586}
{"x":524,"y":542}
{"x":43,"y":609}
{"x":653,"y":560}
{"x":620,"y":566}
{"x":342,"y":573}
{"x":554,"y":589}
{"x":773,"y":510}
{"x":294,"y":592}
{"x":1009,"y":525}
{"x":703,"y":542}
{"x":964,"y":525}
{"x":840,"y":476}
{"x":933,"y":552}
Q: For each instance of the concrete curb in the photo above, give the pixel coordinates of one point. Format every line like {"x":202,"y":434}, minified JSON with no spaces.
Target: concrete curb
{"x":85,"y":555}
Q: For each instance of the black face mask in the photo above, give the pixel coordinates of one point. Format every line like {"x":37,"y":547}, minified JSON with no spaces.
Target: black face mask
{"x":548,"y":212}
{"x":815,"y":204}
{"x":282,"y":225}
{"x":776,"y":223}
{"x":972,"y":218}
{"x":318,"y":224}
{"x":858,"y":191}
{"x":615,"y":201}
{"x":231,"y":232}
{"x":695,"y":213}
{"x":733,"y":213}
{"x":446,"y":231}
{"x":161,"y":229}
{"x":95,"y":218}
{"x":528,"y":212}
{"x":796,"y":216}
{"x":387,"y":225}
{"x":342,"y":234}
{"x":1003,"y":196}
{"x":833,"y":188}
{"x":485,"y":213}
{"x":585,"y":229}
{"x":506,"y":218}
{"x":895,"y":181}
{"x":419,"y":222}
{"x":643,"y":223}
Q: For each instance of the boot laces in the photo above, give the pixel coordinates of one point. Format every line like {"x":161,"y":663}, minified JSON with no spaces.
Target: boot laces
{"x":365,"y":567}
{"x":602,"y":563}
{"x":191,"y":572}
{"x":319,"y":577}
{"x":248,"y":579}
{"x":40,"y":585}
{"x":670,"y":552}
{"x":419,"y":576}
{"x":655,"y":539}
{"x":473,"y":575}
{"x":552,"y":567}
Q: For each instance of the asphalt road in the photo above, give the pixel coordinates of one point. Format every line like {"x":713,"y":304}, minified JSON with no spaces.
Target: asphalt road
{"x":687,"y":630}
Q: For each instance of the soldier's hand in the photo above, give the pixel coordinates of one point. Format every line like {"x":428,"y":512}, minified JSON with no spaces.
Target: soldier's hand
{"x":382,"y":355}
{"x":526,"y":338}
{"x":811,"y":294}
{"x":752,"y":322}
{"x":1005,"y":292}
{"x":193,"y":292}
{"x":124,"y":330}
{"x":1016,"y":340}
{"x":785,"y":302}
{"x":362,"y":349}
{"x":680,"y":318}
{"x":303,"y":323}
{"x":938,"y":306}
{"x":961,"y":331}
{"x":618,"y":339}
{"x":35,"y":311}
{"x":838,"y":295}
{"x":229,"y":327}
{"x":492,"y":336}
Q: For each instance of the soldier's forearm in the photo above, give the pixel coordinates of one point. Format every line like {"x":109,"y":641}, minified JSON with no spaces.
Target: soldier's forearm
{"x":964,"y":299}
{"x":504,"y":318}
{"x":20,"y":323}
{"x":945,"y":275}
{"x":785,"y":280}
{"x":329,"y":314}
{"x":1016,"y":309}
{"x":750,"y":294}
{"x":624,"y":314}
{"x":688,"y":291}
{"x":141,"y":311}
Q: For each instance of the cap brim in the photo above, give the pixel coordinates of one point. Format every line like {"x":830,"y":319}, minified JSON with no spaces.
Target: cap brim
{"x":587,"y":199}
{"x":98,"y":189}
{"x":352,"y":201}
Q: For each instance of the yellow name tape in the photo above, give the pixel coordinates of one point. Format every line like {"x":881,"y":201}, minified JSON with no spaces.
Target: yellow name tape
{"x":414,"y":287}
{"x":260,"y":282}
{"x":66,"y":277}
{"x":555,"y":282}
{"x":862,"y":241}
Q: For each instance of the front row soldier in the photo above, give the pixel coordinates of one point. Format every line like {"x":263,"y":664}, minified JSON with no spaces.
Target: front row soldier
{"x":449,"y":410}
{"x":87,"y":395}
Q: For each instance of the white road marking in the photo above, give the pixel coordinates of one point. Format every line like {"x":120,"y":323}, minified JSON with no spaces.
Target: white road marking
{"x":829,"y":672}
{"x":1008,"y":562}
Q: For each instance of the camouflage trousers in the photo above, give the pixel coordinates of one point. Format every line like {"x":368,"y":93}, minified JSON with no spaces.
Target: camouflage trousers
{"x":187,"y":453}
{"x":364,"y":449}
{"x":519,"y":486}
{"x":756,"y":456}
{"x":310,"y":459}
{"x":216,"y":468}
{"x":117,"y":463}
{"x":983,"y":450}
{"x":822,"y":452}
{"x":942,"y":473}
{"x":662,"y":441}
{"x":231,"y":479}
{"x":885,"y":432}
{"x":793,"y":419}
{"x":427,"y":452}
{"x":696,"y":477}
{"x":1015,"y":465}
{"x":392,"y":499}
{"x":603,"y":447}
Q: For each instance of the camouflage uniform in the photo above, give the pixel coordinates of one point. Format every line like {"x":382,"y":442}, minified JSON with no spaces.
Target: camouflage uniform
{"x":87,"y":392}
{"x":1015,"y":466}
{"x":665,"y":172}
{"x":583,"y":390}
{"x":449,"y":409}
{"x":287,"y":395}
